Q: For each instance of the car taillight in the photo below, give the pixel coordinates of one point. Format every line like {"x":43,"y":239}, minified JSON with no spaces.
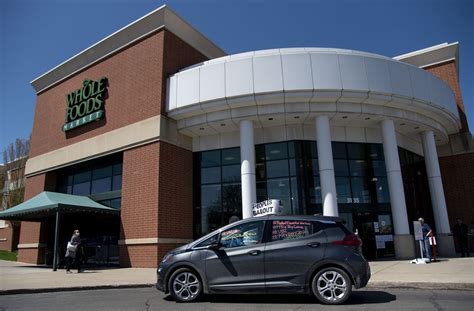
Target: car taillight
{"x":349,"y":240}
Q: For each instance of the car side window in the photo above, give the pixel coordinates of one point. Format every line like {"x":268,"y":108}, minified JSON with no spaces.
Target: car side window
{"x":208,"y":241}
{"x":243,"y":235}
{"x":293,"y":229}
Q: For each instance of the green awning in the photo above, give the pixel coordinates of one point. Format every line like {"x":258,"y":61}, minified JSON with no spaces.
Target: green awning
{"x":48,"y":203}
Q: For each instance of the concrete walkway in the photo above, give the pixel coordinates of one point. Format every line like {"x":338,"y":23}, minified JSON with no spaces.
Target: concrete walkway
{"x":453,"y":273}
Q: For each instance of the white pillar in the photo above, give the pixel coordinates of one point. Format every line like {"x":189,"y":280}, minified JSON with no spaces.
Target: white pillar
{"x":247,"y":169}
{"x":326,"y":166}
{"x":394,"y":177}
{"x":436,"y":185}
{"x":404,"y":243}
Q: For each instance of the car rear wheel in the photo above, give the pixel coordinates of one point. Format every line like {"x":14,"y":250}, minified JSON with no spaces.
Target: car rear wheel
{"x":331,"y":286}
{"x":185,"y":285}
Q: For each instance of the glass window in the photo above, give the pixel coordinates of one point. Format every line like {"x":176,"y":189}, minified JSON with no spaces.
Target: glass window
{"x":259,"y":153}
{"x":277,"y":168}
{"x":117,"y":182}
{"x":358,"y":167}
{"x":383,"y":194}
{"x":276,"y":151}
{"x":208,"y":241}
{"x":294,"y":196}
{"x":290,"y":229}
{"x":385,"y":224}
{"x":356,"y":151}
{"x":82,"y":177}
{"x":230,"y":173}
{"x":118,"y":169}
{"x":82,"y":188}
{"x":232,"y":198}
{"x":379,"y":168}
{"x":102,"y":172}
{"x":315,"y":190}
{"x":341,"y":168}
{"x":279,"y":189}
{"x":210,"y":158}
{"x":260,"y":171}
{"x":292,"y":167}
{"x":261,"y":191}
{"x":101,"y":185}
{"x":339,"y":151}
{"x":210,"y":208}
{"x":360,"y":190}
{"x":246,"y":234}
{"x":310,"y":149}
{"x":315,"y":166}
{"x":231,"y":156}
{"x":291,"y":149}
{"x":343,"y":190}
{"x":376,"y":151}
{"x":211,"y":175}
{"x":116,"y":203}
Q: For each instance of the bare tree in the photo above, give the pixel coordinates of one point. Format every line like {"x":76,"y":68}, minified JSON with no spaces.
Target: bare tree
{"x":14,"y":158}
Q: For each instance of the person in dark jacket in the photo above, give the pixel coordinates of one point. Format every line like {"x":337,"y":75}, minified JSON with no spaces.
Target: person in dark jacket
{"x":460,"y":231}
{"x":73,"y":252}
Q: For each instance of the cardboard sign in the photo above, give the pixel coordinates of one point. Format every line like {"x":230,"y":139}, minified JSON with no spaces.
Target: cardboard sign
{"x":267,"y":207}
{"x":418,"y":231}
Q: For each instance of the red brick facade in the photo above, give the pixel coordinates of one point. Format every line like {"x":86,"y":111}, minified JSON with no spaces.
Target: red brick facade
{"x":8,"y":237}
{"x":448,"y":73}
{"x":155,"y":203}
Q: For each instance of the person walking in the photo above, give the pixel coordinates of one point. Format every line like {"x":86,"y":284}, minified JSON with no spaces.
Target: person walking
{"x":427,"y":233}
{"x":73,"y":252}
{"x":460,"y":231}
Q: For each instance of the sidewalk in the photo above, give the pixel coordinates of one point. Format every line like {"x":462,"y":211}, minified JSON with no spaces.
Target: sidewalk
{"x":453,"y":273}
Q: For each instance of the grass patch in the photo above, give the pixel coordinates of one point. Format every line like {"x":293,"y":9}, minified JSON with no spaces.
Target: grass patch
{"x":6,"y":255}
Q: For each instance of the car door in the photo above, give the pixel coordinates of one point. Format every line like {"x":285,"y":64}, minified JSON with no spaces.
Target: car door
{"x":238,"y":265}
{"x":293,"y":247}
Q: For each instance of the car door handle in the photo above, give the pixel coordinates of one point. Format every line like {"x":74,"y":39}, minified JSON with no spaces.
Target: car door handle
{"x":313,"y":244}
{"x":254,"y":252}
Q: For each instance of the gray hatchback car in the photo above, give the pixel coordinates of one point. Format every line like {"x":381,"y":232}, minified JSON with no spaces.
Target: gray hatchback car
{"x":270,"y":254}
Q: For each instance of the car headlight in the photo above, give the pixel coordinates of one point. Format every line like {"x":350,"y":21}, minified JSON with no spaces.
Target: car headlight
{"x":167,"y":257}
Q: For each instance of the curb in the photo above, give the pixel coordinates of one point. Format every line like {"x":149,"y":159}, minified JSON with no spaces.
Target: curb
{"x":67,"y":289}
{"x":422,"y":285}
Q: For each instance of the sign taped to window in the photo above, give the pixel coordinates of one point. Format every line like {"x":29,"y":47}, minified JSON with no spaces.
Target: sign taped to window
{"x":267,"y":207}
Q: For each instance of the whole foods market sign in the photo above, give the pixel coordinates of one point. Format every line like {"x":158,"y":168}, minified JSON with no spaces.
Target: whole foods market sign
{"x":85,"y":104}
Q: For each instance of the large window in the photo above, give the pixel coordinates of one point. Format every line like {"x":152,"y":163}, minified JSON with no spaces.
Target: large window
{"x":289,"y":172}
{"x":100,"y":179}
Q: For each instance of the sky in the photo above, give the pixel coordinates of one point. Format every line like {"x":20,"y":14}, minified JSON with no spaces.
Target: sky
{"x":37,"y":35}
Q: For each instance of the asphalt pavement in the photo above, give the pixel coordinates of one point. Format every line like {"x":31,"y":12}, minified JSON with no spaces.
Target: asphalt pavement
{"x":151,"y":299}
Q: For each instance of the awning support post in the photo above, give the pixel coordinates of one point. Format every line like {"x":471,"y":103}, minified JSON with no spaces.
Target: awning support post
{"x":56,"y":237}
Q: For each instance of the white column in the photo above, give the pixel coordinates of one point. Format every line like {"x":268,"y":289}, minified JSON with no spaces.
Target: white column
{"x":326,"y":166}
{"x":247,"y":169}
{"x":403,"y":241}
{"x":394,"y":177}
{"x":435,"y":183}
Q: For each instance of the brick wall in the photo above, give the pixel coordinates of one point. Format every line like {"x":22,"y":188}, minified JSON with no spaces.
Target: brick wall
{"x":175,"y":213}
{"x":458,"y":179}
{"x":6,"y":238}
{"x":448,"y":73}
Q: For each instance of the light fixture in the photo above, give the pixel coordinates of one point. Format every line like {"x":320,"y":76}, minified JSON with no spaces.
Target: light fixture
{"x":402,"y":124}
{"x":368,"y":118}
{"x":416,"y":127}
{"x":276,"y":151}
{"x":222,"y":124}
{"x":297,"y":117}
{"x":201,"y":128}
{"x":270,"y":119}
{"x":375,"y":179}
{"x":229,"y":158}
{"x":345,"y":117}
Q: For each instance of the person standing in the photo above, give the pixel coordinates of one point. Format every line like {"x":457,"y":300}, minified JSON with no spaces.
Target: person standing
{"x":460,"y":231}
{"x":427,"y":233}
{"x":73,"y":252}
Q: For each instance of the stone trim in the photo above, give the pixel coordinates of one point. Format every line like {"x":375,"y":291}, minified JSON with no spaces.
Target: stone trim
{"x":3,"y":239}
{"x":127,"y":137}
{"x":145,"y":241}
{"x":31,"y":245}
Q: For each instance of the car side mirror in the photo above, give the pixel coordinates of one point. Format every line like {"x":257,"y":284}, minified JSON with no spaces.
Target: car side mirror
{"x":214,"y":246}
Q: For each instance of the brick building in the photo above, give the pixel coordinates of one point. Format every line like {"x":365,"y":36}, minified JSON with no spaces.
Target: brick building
{"x":157,"y":122}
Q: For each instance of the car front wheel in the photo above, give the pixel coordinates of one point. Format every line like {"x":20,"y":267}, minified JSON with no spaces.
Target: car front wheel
{"x":185,"y":285}
{"x":331,"y":286}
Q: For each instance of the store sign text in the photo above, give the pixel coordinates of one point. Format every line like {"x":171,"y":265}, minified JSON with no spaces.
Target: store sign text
{"x":85,"y":104}
{"x":267,"y":207}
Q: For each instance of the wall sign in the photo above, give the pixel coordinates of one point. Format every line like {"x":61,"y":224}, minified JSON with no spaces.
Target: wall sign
{"x":85,"y":104}
{"x":266,"y":207}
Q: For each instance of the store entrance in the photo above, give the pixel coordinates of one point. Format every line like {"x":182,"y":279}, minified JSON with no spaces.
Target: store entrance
{"x":376,"y":233}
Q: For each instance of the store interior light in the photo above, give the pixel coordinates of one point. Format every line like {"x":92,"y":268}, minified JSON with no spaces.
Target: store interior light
{"x":229,"y":158}
{"x":276,"y":151}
